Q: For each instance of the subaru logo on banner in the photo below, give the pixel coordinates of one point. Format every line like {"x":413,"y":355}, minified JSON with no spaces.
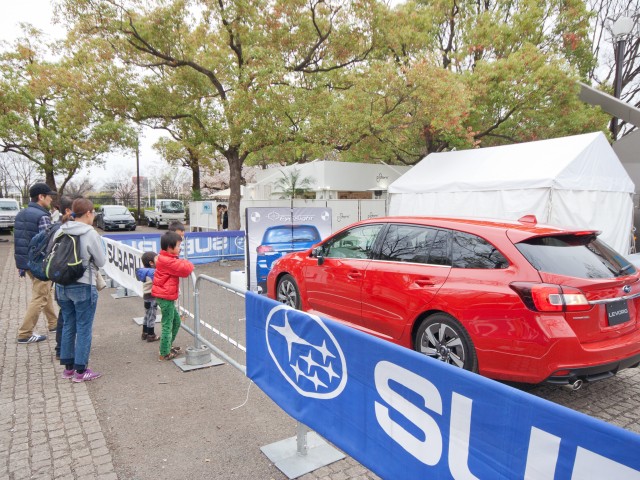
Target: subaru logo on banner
{"x":407,"y":416}
{"x":313,"y":365}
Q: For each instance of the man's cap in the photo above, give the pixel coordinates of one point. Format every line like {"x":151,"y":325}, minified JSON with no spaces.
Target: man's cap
{"x":40,"y":189}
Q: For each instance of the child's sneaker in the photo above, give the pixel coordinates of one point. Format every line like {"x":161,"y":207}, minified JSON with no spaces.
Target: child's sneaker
{"x":87,"y":376}
{"x":153,"y":338}
{"x":67,"y":374}
{"x":168,"y":356}
{"x":144,"y":336}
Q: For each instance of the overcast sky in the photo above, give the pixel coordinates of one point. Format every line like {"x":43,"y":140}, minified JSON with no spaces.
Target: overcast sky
{"x":40,"y":14}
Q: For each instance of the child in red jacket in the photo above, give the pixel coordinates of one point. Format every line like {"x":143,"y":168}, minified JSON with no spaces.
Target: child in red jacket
{"x":169,"y":269}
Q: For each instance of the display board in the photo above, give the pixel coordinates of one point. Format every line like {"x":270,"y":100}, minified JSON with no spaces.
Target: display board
{"x":275,"y":231}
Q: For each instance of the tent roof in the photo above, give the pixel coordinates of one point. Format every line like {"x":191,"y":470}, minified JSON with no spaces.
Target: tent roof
{"x":580,"y":162}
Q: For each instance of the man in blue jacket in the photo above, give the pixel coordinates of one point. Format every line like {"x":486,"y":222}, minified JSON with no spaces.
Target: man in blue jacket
{"x":29,"y":222}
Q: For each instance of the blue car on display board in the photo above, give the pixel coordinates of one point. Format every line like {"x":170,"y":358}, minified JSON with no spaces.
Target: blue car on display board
{"x":279,"y":240}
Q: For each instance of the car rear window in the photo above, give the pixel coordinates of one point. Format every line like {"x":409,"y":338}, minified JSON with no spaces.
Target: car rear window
{"x":471,"y":251}
{"x":582,"y":256}
{"x":172,"y":207}
{"x":116,"y":210}
{"x":295,"y":234}
{"x":8,"y":205}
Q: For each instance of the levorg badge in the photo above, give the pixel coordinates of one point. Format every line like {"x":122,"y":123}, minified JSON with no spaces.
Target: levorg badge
{"x":306,"y":353}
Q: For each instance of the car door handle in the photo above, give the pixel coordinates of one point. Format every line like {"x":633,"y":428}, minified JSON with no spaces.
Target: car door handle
{"x":354,"y":275}
{"x":425,"y":282}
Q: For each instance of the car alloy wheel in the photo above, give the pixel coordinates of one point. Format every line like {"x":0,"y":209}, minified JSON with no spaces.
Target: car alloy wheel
{"x":287,"y":292}
{"x":443,"y":338}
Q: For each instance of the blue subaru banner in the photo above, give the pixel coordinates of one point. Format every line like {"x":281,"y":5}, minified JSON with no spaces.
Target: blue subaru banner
{"x":404,"y":415}
{"x":201,"y":247}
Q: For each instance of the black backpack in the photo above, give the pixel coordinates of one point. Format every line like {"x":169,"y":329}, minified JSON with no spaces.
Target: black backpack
{"x":64,"y":264}
{"x":39,"y":249}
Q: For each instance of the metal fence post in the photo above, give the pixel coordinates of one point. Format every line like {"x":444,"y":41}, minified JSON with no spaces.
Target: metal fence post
{"x":199,"y":355}
{"x":301,"y":439}
{"x":196,"y":314}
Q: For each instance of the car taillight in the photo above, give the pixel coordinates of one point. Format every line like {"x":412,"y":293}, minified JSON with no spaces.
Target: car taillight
{"x":546,"y":297}
{"x":264,"y":249}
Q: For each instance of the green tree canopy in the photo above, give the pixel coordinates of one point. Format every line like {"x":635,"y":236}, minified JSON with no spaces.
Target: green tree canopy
{"x":47,"y":112}
{"x":462,"y":74}
{"x":247,"y":75}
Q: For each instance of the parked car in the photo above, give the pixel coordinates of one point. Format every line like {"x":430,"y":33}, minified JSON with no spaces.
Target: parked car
{"x":513,"y":301}
{"x":9,"y":208}
{"x":115,"y":217}
{"x":165,"y":212}
{"x":278,"y":240}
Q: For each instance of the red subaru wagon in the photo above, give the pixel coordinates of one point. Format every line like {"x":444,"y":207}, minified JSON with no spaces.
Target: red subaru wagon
{"x":513,"y":301}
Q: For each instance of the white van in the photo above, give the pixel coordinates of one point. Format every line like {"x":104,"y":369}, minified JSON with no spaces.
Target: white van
{"x":9,"y":208}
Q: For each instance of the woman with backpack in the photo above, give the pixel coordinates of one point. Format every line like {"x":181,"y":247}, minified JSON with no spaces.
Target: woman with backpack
{"x":77,"y":294}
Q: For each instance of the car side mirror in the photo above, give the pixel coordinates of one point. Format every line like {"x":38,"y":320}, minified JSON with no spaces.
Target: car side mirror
{"x":317,"y":252}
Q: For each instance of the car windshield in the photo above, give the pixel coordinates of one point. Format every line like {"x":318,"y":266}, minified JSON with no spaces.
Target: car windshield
{"x":8,"y":206}
{"x":295,"y":234}
{"x":117,"y":210}
{"x":581,"y":256}
{"x":172,"y":207}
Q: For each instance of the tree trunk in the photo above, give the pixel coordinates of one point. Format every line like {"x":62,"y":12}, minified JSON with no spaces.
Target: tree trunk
{"x":49,"y":177}
{"x":195,"y":181}
{"x":235,"y":180}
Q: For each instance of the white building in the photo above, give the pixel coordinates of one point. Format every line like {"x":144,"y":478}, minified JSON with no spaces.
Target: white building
{"x":331,"y":180}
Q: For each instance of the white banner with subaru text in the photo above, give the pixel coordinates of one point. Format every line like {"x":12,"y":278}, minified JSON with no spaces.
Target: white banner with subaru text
{"x":122,"y":262}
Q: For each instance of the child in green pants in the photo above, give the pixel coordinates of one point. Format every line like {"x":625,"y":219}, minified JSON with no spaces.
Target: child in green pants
{"x":166,"y":282}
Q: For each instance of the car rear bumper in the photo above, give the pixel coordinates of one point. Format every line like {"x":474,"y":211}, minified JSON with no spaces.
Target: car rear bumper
{"x":593,"y":373}
{"x":561,"y":359}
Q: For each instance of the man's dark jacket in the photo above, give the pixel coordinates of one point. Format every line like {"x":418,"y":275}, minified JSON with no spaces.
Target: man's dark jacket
{"x":26,"y":227}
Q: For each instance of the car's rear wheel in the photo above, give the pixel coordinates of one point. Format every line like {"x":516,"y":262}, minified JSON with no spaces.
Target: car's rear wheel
{"x":442,"y":337}
{"x":287,"y":291}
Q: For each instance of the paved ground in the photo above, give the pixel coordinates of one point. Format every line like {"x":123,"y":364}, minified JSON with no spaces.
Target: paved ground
{"x":147,"y":420}
{"x":144,"y":419}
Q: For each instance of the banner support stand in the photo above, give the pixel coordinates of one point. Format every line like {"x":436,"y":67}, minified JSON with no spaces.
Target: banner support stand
{"x":304,"y":453}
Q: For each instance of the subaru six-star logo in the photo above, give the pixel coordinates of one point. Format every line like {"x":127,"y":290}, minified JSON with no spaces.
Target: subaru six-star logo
{"x":306,"y":353}
{"x":325,"y":215}
{"x":255,"y":216}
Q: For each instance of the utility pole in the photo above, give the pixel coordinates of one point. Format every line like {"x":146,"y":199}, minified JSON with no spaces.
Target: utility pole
{"x":138,"y":177}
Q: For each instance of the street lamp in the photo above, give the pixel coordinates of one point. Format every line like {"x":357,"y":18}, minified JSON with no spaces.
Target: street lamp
{"x":621,"y":29}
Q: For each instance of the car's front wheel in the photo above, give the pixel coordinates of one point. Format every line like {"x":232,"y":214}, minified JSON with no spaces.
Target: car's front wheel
{"x":287,"y":291}
{"x":442,"y":337}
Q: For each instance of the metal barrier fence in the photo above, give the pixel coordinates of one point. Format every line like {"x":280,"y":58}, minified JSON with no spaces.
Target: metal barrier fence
{"x":217,"y":320}
{"x":221,"y":315}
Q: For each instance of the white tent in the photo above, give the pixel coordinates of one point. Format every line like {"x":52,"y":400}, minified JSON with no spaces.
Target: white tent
{"x":573,"y":181}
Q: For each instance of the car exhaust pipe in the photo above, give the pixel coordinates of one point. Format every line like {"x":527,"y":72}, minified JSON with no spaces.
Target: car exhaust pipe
{"x":575,"y":385}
